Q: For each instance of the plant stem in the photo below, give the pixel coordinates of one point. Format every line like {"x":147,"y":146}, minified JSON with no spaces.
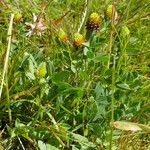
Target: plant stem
{"x":9,"y":34}
{"x":5,"y":68}
{"x":111,"y":35}
{"x":8,"y":100}
{"x":88,"y":4}
{"x":113,"y":72}
{"x":112,"y":100}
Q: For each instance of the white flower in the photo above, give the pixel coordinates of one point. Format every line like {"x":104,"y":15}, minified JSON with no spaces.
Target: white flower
{"x":37,"y":27}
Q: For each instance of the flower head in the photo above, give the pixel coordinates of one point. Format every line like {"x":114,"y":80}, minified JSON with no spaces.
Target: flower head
{"x":41,"y":70}
{"x":37,"y":27}
{"x":62,"y":35}
{"x":17,"y":17}
{"x":78,"y":40}
{"x":125,"y":30}
{"x":109,"y":12}
{"x":93,"y":22}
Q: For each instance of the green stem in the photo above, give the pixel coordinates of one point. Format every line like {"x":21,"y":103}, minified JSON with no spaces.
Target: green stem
{"x":122,"y":54}
{"x":112,"y":100}
{"x":5,"y":70}
{"x":8,"y":100}
{"x":9,"y":34}
{"x":113,"y":73}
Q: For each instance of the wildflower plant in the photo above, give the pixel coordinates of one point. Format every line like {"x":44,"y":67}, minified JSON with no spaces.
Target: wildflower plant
{"x":79,"y":79}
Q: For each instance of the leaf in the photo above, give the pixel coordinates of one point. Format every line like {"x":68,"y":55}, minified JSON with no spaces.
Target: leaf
{"x":53,"y":120}
{"x":74,"y":147}
{"x":61,"y":76}
{"x":130,"y":126}
{"x":30,"y":75}
{"x":133,"y":40}
{"x":31,"y":66}
{"x":124,"y":86}
{"x":50,"y":147}
{"x":90,"y":54}
{"x":40,"y":133}
{"x":99,"y":58}
{"x":83,"y":141}
{"x":80,"y":138}
{"x":73,"y":68}
{"x":41,"y":145}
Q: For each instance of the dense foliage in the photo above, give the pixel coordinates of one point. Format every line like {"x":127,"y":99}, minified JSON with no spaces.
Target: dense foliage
{"x":77,"y":71}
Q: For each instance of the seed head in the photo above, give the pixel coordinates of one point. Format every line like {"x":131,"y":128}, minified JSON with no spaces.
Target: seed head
{"x":93,"y":22}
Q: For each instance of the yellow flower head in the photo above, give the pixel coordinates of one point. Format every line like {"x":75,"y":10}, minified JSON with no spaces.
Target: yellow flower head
{"x":17,"y":17}
{"x":94,"y":17}
{"x":109,"y":12}
{"x":41,"y":70}
{"x":78,"y":39}
{"x":125,"y":30}
{"x":62,"y":35}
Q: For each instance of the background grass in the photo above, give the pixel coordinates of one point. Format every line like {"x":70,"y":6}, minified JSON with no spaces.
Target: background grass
{"x":71,"y":106}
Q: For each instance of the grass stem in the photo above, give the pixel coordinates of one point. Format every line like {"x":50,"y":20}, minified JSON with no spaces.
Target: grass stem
{"x":7,"y":53}
{"x":113,"y":72}
{"x":112,"y":100}
{"x":5,"y":68}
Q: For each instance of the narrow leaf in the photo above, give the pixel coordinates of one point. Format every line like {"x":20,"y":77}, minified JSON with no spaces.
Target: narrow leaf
{"x":130,"y":126}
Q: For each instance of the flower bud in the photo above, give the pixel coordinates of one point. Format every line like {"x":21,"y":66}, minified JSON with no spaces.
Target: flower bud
{"x":109,"y":12}
{"x":62,"y":35}
{"x":17,"y":17}
{"x":125,"y":31}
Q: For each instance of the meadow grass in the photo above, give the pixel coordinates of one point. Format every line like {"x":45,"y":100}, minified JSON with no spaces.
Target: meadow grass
{"x":61,"y":89}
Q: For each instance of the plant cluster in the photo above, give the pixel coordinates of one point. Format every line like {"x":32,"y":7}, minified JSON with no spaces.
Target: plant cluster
{"x":76,"y":81}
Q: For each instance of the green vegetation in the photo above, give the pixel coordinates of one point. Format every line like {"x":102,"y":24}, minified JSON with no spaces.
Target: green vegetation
{"x":75,"y":75}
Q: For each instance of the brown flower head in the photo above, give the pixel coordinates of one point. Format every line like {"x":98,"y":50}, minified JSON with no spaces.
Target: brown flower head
{"x":93,"y":22}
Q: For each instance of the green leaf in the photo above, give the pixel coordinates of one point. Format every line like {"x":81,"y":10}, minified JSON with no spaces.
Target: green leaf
{"x":133,"y":40}
{"x":41,"y":145}
{"x":90,"y":54}
{"x":39,"y":133}
{"x":31,"y":66}
{"x":50,"y":147}
{"x":74,"y":147}
{"x":80,"y":138}
{"x":124,"y":86}
{"x":73,"y":68}
{"x":61,"y":76}
{"x":101,"y":58}
{"x":30,"y":75}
